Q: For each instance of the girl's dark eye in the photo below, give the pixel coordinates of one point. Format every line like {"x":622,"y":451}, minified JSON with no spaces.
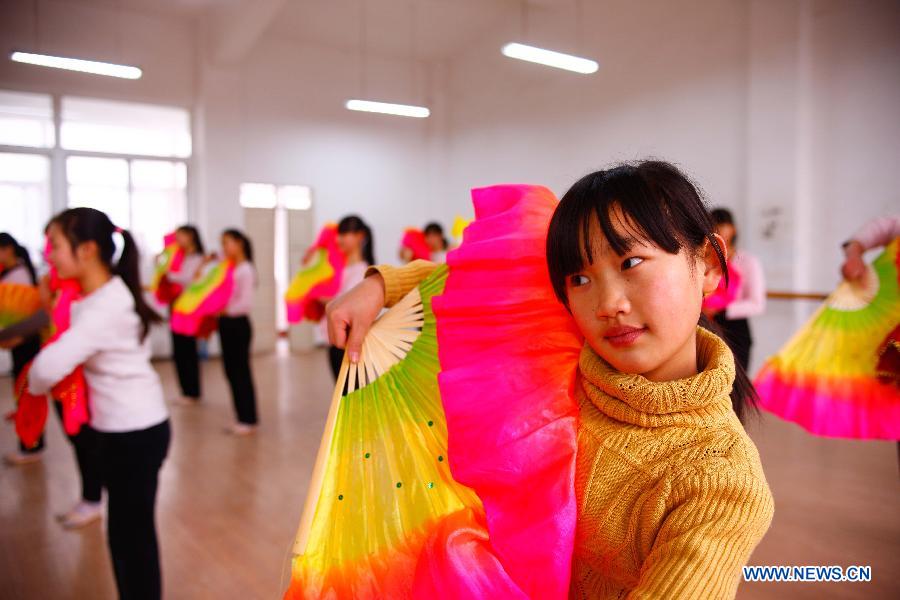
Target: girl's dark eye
{"x":577,"y":280}
{"x":630,"y":263}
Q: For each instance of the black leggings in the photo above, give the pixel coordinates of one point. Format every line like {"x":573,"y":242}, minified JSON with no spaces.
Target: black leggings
{"x":130,"y":462}
{"x":187,"y":364}
{"x":235,"y":334}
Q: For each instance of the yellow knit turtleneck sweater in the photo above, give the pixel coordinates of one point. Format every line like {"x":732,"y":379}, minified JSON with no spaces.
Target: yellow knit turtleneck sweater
{"x":671,"y":495}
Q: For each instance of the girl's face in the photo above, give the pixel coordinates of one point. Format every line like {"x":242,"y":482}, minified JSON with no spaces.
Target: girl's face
{"x":232,"y":248}
{"x":639,"y":311}
{"x":350,"y":242}
{"x":435,"y":241}
{"x":184,"y":241}
{"x":69,"y":263}
{"x":7,"y":256}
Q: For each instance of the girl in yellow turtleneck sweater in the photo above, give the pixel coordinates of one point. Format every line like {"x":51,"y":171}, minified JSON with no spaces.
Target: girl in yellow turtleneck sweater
{"x":671,"y":494}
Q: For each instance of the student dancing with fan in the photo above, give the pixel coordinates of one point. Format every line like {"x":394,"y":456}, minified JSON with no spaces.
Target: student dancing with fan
{"x":596,"y":423}
{"x":839,"y":375}
{"x":108,"y":335}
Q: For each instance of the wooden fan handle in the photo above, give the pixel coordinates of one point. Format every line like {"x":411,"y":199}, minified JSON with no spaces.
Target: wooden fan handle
{"x":318,"y":474}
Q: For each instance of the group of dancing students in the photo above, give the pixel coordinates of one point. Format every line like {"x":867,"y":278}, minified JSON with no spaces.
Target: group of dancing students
{"x":123,"y":446}
{"x":633,"y":245}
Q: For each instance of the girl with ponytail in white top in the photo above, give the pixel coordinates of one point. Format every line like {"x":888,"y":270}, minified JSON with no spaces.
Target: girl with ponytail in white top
{"x":108,"y":336}
{"x":184,"y":347}
{"x":236,"y":333}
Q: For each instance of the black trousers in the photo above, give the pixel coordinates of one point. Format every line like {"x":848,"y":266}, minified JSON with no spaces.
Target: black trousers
{"x":187,"y":364}
{"x":235,"y":334}
{"x":737,"y":336}
{"x":131,"y":461}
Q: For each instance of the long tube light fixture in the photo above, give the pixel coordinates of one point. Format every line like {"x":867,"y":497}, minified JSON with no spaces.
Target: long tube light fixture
{"x":550,"y":58}
{"x":400,"y":110}
{"x":77,"y":64}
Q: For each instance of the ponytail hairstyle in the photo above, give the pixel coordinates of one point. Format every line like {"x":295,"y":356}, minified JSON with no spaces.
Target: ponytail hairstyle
{"x":7,"y":241}
{"x":663,"y":205}
{"x":354,"y":224}
{"x":435,"y":227}
{"x":82,"y":225}
{"x":191,"y":231}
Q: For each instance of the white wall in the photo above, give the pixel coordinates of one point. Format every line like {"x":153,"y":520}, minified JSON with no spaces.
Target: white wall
{"x":785,"y":111}
{"x":278,"y":117}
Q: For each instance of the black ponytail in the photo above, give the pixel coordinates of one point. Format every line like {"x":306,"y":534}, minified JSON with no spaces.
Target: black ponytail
{"x":6,"y":241}
{"x":81,"y":225}
{"x":354,"y":224}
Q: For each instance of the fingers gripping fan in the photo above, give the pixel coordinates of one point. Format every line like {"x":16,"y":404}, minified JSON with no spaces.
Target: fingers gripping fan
{"x":381,"y":483}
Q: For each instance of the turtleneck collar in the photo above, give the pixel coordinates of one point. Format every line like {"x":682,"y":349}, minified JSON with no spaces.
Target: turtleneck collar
{"x":700,"y":400}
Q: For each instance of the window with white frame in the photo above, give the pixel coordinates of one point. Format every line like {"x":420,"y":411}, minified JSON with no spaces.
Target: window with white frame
{"x":127,"y":159}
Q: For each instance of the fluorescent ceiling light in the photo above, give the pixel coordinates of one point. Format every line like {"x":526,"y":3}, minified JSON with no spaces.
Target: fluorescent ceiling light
{"x":401,"y":110}
{"x":550,"y":58}
{"x":77,"y":64}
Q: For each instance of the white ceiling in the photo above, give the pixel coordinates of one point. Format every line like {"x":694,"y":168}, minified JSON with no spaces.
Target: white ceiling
{"x":441,"y":27}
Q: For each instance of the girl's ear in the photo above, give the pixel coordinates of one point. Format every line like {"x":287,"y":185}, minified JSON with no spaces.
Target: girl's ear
{"x":86,"y":251}
{"x":712,"y":267}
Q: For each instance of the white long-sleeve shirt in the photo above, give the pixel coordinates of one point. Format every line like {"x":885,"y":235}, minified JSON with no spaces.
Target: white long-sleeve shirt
{"x":241,"y":302}
{"x":124,"y":391}
{"x":878,"y":232}
{"x":18,"y":274}
{"x":189,"y":267}
{"x":751,"y":298}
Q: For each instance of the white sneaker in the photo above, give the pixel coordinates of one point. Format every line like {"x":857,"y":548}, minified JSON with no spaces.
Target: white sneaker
{"x":19,"y":458}
{"x":241,"y":429}
{"x":83,"y":514}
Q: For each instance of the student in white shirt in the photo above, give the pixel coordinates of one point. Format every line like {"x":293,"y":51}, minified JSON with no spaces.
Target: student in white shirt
{"x":437,"y":242}
{"x":16,"y":268}
{"x":356,"y":243}
{"x":236,"y":333}
{"x":184,"y":347}
{"x":751,"y":298}
{"x":108,"y":336}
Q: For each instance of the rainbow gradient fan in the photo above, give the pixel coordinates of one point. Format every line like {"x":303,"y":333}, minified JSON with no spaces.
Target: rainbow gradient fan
{"x":319,"y":277}
{"x":438,"y":477}
{"x":381,"y":482}
{"x":827,"y":377}
{"x":169,"y":261}
{"x":17,"y":302}
{"x":203,"y":300}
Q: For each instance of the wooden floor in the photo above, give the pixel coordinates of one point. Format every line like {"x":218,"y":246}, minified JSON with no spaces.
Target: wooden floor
{"x":228,"y":508}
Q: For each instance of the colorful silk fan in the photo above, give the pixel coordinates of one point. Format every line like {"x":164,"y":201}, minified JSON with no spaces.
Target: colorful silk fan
{"x":384,"y":518}
{"x":459,"y":226}
{"x":414,"y":242}
{"x":169,"y":261}
{"x":70,"y":392}
{"x":826,"y":378}
{"x":205,"y":298}
{"x":381,"y":484}
{"x":319,"y":277}
{"x":17,"y":302}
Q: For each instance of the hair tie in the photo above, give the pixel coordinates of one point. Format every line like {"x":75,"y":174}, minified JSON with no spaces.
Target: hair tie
{"x":118,"y":230}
